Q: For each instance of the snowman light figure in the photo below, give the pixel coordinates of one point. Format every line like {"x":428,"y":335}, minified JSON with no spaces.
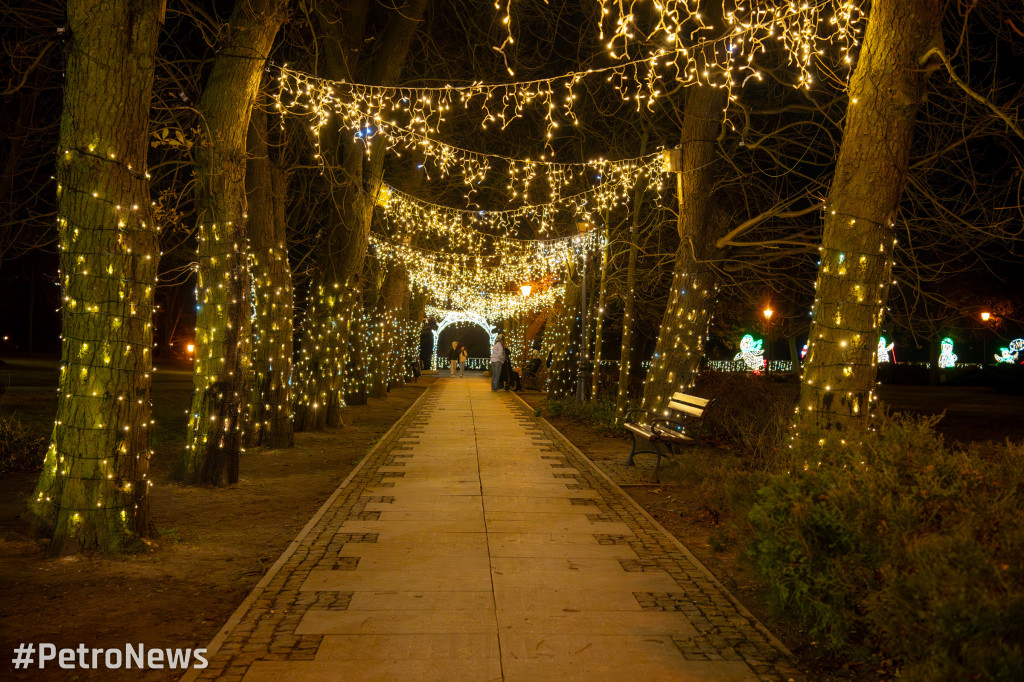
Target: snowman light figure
{"x":751,"y":353}
{"x":946,"y":357}
{"x":883,"y":350}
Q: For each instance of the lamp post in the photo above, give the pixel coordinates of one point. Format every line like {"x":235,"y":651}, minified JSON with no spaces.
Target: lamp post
{"x":526,"y":289}
{"x":985,"y":316}
{"x":768,"y":312}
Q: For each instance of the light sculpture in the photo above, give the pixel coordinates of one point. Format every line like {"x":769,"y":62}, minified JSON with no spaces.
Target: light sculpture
{"x":946,"y":358}
{"x":883,"y":350}
{"x":751,"y":353}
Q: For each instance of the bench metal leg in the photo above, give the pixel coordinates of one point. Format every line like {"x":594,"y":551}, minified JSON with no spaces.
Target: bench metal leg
{"x":633,"y":451}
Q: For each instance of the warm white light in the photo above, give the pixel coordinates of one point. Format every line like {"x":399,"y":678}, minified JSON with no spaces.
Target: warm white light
{"x":526,"y":289}
{"x":985,"y":315}
{"x":768,"y":312}
{"x":191,"y":348}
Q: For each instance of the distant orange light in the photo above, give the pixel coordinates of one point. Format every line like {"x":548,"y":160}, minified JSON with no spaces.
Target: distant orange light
{"x":191,"y":348}
{"x":526,"y":289}
{"x":768,"y":312}
{"x":985,"y":315}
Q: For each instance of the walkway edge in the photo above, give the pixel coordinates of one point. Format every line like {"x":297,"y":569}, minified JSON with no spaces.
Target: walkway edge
{"x":257,"y":590}
{"x":776,"y":642}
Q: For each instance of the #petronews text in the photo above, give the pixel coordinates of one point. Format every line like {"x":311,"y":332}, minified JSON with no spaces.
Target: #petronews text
{"x":133,"y":656}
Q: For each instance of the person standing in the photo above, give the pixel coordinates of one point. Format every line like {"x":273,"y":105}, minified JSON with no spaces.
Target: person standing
{"x":453,"y":358}
{"x":497,"y":360}
{"x":414,"y":367}
{"x":463,"y":355}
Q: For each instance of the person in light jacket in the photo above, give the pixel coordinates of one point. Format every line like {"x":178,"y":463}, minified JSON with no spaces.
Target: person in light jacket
{"x":463,"y":355}
{"x":497,"y":360}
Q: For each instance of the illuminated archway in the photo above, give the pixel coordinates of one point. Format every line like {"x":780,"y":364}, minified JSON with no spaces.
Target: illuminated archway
{"x":455,"y":317}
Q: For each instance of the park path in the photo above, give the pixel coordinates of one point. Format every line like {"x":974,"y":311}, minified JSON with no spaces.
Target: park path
{"x":475,"y":543}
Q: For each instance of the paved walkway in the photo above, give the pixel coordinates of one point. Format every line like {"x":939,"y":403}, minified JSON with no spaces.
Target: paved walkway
{"x":475,"y":543}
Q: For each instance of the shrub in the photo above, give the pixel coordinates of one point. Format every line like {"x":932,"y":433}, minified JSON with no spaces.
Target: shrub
{"x":20,"y":449}
{"x":599,"y":413}
{"x":900,"y":544}
{"x":751,"y":413}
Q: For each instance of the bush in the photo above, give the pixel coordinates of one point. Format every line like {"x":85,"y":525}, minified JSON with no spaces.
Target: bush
{"x":751,"y":413}
{"x":599,"y":413}
{"x":20,"y":449}
{"x":897,"y":543}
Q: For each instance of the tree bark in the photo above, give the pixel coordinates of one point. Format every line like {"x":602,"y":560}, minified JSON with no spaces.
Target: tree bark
{"x":325,"y":338}
{"x":886,"y":90}
{"x":223,"y":287}
{"x":356,"y":368}
{"x":629,"y":303}
{"x":599,"y":320}
{"x":684,"y":327}
{"x":400,"y":347}
{"x":93,"y":490}
{"x":270,"y":401}
{"x":565,"y":344}
{"x":389,"y":334}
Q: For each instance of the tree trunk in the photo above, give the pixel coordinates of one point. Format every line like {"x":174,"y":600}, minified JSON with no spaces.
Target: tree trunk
{"x":356,"y":361}
{"x":270,"y":400}
{"x":388,"y":335}
{"x":417,"y":308}
{"x":794,"y":356}
{"x":92,"y":492}
{"x":223,"y":289}
{"x":599,"y":320}
{"x":325,"y":341}
{"x":886,"y":89}
{"x":629,"y":299}
{"x":684,"y":327}
{"x":400,"y":334}
{"x":565,"y":344}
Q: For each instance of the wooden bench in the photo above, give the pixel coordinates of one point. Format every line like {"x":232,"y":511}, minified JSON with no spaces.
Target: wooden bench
{"x":666,"y":436}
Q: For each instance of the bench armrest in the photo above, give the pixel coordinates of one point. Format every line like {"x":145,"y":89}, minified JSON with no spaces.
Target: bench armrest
{"x":638,"y":411}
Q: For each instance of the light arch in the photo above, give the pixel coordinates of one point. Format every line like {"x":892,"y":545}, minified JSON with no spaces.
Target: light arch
{"x":454,"y":317}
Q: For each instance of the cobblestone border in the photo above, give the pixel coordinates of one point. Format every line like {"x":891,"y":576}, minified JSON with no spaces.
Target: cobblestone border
{"x":249,"y":619}
{"x":726,"y":629}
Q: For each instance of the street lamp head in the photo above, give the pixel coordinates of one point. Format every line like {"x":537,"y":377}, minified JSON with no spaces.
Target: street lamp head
{"x":768,"y":312}
{"x":985,"y":315}
{"x":526,"y":289}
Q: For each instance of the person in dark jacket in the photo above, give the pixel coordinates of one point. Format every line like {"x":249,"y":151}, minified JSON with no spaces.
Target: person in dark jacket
{"x":453,"y":358}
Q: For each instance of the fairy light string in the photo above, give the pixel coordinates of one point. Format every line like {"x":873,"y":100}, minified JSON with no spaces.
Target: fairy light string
{"x":684,"y":54}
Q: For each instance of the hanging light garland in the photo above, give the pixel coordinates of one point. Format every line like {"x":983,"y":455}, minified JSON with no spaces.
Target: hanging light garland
{"x":409,"y":216}
{"x":521,"y":174}
{"x":494,"y":271}
{"x":803,"y":29}
{"x":493,"y":305}
{"x":425,"y":108}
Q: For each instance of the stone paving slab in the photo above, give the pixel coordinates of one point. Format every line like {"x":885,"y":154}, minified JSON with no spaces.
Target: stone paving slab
{"x":475,"y":543}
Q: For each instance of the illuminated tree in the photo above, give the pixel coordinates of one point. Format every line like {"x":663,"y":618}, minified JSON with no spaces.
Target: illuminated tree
{"x":886,"y":90}
{"x":680,"y":347}
{"x":564,"y":333}
{"x":93,"y":490}
{"x":270,"y":398}
{"x":224,"y":307}
{"x":332,"y":304}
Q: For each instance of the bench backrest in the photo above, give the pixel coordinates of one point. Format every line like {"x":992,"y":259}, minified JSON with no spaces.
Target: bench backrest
{"x":688,"y":404}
